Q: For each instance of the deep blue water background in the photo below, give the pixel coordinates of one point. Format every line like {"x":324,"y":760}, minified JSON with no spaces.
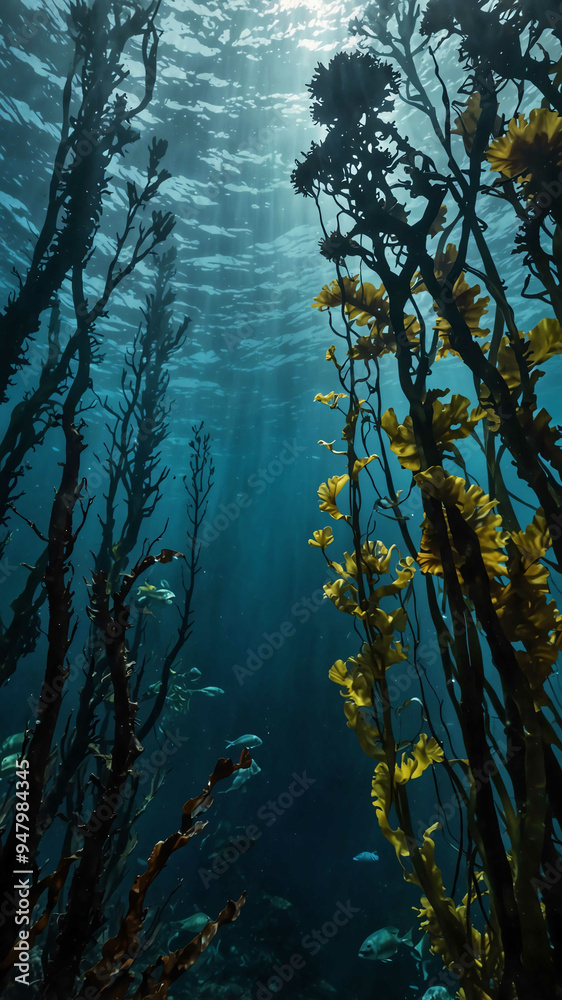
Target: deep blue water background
{"x":231,"y":99}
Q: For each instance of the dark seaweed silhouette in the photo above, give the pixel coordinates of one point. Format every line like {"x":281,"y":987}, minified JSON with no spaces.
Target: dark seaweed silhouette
{"x":377,"y":178}
{"x":83,"y":781}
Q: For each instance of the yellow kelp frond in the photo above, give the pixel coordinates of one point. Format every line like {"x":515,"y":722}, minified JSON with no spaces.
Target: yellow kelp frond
{"x":375,"y":561}
{"x":382,"y":339}
{"x":331,"y":400}
{"x":321,"y":538}
{"x":358,"y":686}
{"x":528,"y":146}
{"x":471,"y":310}
{"x":425,"y":753}
{"x":467,"y":121}
{"x":533,"y":543}
{"x":367,"y":734}
{"x":376,"y":558}
{"x":452,"y":936}
{"x":406,"y":569}
{"x":363,"y":301}
{"x":451,"y":422}
{"x":381,"y":792}
{"x":331,"y":356}
{"x":383,"y":652}
{"x":402,"y":441}
{"x":526,"y":614}
{"x":328,"y":493}
{"x":331,"y":294}
{"x":476,"y":508}
{"x":343,"y":596}
{"x":330,"y":446}
{"x":360,"y":464}
{"x":539,"y":345}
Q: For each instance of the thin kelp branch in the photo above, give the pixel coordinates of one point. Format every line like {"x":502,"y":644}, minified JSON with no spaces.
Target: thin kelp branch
{"x":133,"y":245}
{"x":112,"y":975}
{"x":198,"y":486}
{"x":111,"y":618}
{"x":96,"y":126}
{"x":485,"y":625}
{"x":485,"y":76}
{"x":63,"y":530}
{"x":134,"y":470}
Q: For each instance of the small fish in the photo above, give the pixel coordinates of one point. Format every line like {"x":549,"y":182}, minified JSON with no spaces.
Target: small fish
{"x":184,"y":929}
{"x":211,"y":692}
{"x":148,"y":592}
{"x":422,"y":954}
{"x":249,"y":741}
{"x":9,"y":764}
{"x":194,"y":674}
{"x":11,"y":743}
{"x":366,"y":856}
{"x":242,"y":777}
{"x":383,"y":944}
{"x":279,"y":903}
{"x":436,"y":993}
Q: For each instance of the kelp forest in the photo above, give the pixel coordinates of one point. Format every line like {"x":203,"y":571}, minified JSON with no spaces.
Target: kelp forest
{"x":482,"y":565}
{"x":433,"y":186}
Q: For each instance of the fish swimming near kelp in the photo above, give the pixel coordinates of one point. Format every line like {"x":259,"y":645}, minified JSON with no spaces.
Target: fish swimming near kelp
{"x":183,"y":930}
{"x":194,"y":674}
{"x":422,"y":954}
{"x":8,"y":765}
{"x":211,"y":692}
{"x":249,"y":741}
{"x":242,"y":777}
{"x":383,"y":944}
{"x":160,"y":595}
{"x":436,"y":993}
{"x":367,"y":856}
{"x":13,"y":742}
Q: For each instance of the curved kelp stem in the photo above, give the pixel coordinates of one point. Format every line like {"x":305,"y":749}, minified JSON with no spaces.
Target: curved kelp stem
{"x":498,"y":632}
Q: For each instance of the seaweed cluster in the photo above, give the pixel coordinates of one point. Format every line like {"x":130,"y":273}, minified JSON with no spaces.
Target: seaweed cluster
{"x":75,"y":811}
{"x":421,"y":293}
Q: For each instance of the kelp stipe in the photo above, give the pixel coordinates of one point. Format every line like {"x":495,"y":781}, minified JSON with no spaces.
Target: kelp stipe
{"x":497,"y":630}
{"x":82,"y":781}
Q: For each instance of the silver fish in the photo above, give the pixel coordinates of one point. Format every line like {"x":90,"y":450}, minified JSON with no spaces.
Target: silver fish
{"x":12,"y":742}
{"x":242,"y":777}
{"x":211,"y":692}
{"x":8,"y":765}
{"x":248,"y":741}
{"x":366,"y":856}
{"x":184,"y":930}
{"x":422,"y":954}
{"x":383,"y":944}
{"x":148,"y":592}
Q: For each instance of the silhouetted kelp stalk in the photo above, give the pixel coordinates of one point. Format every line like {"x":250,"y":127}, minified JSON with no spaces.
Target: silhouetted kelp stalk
{"x":93,"y":848}
{"x":140,"y":423}
{"x":92,"y":133}
{"x":504,"y":940}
